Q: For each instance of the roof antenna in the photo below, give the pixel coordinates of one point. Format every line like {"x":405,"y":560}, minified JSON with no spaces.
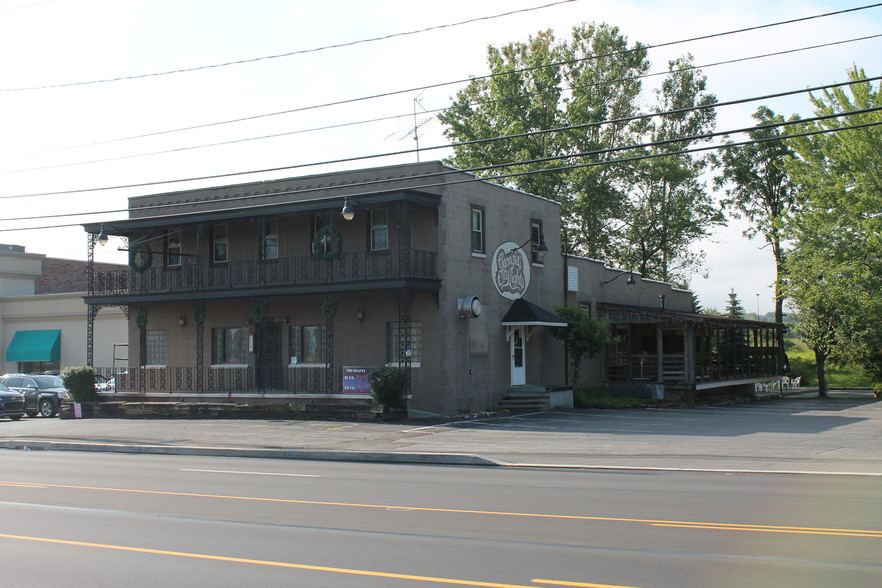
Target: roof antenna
{"x":417,"y":125}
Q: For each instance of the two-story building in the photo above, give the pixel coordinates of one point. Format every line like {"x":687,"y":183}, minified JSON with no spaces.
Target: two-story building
{"x":296,"y":288}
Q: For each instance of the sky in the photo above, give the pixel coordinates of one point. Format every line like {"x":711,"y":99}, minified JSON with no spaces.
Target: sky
{"x":88,"y":106}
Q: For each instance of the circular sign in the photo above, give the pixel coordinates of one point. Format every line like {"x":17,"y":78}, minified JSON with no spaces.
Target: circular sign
{"x":510,"y":270}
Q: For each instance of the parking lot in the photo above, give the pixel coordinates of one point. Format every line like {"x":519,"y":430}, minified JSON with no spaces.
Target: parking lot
{"x":839,"y":434}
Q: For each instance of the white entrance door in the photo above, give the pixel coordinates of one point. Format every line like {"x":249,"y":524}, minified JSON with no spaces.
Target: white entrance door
{"x":518,"y":368}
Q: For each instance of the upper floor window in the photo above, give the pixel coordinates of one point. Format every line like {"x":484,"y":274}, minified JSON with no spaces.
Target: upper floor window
{"x":271,"y":239}
{"x":536,"y":238}
{"x":379,"y":229}
{"x":173,"y":250}
{"x":478,"y":229}
{"x":220,"y":244}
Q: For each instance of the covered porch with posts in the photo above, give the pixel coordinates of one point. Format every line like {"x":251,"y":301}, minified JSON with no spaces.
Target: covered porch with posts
{"x":663,"y":353}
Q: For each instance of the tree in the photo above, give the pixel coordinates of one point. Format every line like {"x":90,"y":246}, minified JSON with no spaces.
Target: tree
{"x":835,"y":266}
{"x":733,"y":306}
{"x":820,"y":328}
{"x":546,"y":84}
{"x":668,"y":207}
{"x":758,"y":188}
{"x":585,"y":337}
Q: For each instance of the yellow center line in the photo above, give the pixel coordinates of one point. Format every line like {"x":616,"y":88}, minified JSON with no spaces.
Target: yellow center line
{"x":579,"y":584}
{"x":773,"y":530}
{"x":278,"y":564}
{"x":405,"y":508}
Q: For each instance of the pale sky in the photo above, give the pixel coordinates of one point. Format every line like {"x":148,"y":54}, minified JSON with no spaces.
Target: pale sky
{"x":78,"y":137}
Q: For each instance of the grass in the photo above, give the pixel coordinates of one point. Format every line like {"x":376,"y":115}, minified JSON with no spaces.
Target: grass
{"x":802,"y":363}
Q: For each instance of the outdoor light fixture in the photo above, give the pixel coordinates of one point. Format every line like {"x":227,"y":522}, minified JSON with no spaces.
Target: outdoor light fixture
{"x":181,"y":321}
{"x":631,"y":281}
{"x":348,"y":211}
{"x":541,"y":249}
{"x":102,"y":236}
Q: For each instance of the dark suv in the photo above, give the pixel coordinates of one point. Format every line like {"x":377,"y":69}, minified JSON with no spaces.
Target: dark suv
{"x":42,"y":394}
{"x":11,"y":403}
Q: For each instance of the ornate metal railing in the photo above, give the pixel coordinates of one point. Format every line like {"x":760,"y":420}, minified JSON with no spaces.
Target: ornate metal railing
{"x":222,"y":380}
{"x":288,"y":271}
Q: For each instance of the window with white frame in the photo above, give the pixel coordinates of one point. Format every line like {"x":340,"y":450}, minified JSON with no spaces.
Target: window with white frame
{"x":379,"y":229}
{"x":393,"y":342}
{"x":229,"y":345}
{"x":478,"y":245}
{"x":220,"y":244}
{"x":173,"y":250}
{"x":271,"y":239}
{"x":155,"y":346}
{"x":536,"y":238}
{"x":307,"y":343}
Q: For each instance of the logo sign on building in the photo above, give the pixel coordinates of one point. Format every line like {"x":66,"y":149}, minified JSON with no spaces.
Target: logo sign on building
{"x":511,"y":270}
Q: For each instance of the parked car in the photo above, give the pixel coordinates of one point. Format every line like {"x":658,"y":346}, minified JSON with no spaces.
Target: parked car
{"x":42,"y":394}
{"x":105,"y":384}
{"x":11,"y":403}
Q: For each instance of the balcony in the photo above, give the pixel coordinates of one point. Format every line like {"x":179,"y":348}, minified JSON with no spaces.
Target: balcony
{"x":304,"y":270}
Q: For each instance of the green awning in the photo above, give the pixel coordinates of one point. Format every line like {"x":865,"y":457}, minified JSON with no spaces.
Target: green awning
{"x":35,"y":346}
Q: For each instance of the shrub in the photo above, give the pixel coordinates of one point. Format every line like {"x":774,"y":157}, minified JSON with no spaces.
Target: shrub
{"x":389,"y":385}
{"x":80,"y":382}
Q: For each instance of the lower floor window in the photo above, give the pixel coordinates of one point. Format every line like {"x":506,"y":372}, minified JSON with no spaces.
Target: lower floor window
{"x":394,"y":342}
{"x":229,"y":345}
{"x":156,"y":347}
{"x":308,"y":343}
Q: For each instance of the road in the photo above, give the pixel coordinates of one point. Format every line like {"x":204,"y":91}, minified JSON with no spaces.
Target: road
{"x":87,"y":519}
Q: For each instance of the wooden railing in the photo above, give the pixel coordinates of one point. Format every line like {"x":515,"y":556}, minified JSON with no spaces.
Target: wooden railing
{"x":299,"y":379}
{"x":288,"y":271}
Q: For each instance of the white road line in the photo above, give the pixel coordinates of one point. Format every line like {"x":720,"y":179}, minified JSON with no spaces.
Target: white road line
{"x":250,"y":473}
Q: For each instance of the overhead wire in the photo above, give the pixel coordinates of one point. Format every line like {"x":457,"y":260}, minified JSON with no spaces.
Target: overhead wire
{"x":289,"y":54}
{"x":639,"y":47}
{"x":276,"y":135}
{"x":458,"y":144}
{"x":651,"y":144}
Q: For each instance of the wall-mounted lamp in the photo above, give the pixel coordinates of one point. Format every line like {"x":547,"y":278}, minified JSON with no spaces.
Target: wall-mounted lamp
{"x":359,"y":315}
{"x":661,"y":299}
{"x":631,"y":281}
{"x":182,"y":321}
{"x":102,"y":236}
{"x":349,"y":206}
{"x":541,"y":248}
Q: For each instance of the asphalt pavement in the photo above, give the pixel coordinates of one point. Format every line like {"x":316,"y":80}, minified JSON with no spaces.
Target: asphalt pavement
{"x":841,"y":434}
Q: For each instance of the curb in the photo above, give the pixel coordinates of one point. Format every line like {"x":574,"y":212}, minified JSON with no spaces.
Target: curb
{"x":304,"y":454}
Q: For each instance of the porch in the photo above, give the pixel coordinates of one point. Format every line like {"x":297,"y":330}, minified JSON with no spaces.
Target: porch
{"x":298,"y":270}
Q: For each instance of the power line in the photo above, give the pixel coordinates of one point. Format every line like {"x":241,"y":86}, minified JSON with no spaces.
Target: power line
{"x":289,"y":54}
{"x":470,"y":79}
{"x":640,"y":157}
{"x":276,"y":135}
{"x":452,"y":145}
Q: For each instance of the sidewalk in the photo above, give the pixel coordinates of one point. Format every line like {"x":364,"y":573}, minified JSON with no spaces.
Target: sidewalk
{"x":841,"y":434}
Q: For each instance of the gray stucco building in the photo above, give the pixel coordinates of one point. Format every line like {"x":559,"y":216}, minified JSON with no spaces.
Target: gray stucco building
{"x":295,"y":288}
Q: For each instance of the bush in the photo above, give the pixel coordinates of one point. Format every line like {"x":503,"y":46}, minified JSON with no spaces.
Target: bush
{"x":80,"y":382}
{"x":389,"y":385}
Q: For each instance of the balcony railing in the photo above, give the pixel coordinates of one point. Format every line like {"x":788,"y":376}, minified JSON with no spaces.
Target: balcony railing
{"x":288,"y":271}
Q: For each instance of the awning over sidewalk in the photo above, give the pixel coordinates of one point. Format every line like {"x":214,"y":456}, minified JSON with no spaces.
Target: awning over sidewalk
{"x":35,"y":346}
{"x":524,"y":313}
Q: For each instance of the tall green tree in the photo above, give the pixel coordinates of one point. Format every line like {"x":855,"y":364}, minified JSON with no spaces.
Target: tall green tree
{"x":734,"y":309}
{"x":547,"y":83}
{"x":836,"y":261}
{"x":668,"y":207}
{"x":758,"y":188}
